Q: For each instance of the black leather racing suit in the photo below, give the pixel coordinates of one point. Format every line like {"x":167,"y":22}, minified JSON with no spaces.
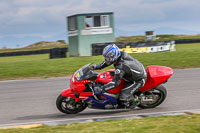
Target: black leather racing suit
{"x":129,"y":69}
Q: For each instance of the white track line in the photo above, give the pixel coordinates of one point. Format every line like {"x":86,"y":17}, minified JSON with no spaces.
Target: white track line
{"x":92,"y":118}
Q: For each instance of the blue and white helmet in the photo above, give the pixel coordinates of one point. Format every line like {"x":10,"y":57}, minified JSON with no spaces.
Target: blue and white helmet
{"x":111,"y":53}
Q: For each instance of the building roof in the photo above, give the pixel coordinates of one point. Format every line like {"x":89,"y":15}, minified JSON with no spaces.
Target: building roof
{"x":91,"y":14}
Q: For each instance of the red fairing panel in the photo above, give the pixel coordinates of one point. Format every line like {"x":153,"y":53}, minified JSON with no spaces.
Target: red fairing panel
{"x":106,"y":77}
{"x":70,"y":93}
{"x":79,"y":86}
{"x":155,"y":76}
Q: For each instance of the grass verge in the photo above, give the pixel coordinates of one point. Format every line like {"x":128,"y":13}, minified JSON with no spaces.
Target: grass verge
{"x":33,"y":48}
{"x":186,"y":56}
{"x":164,"y":124}
{"x":159,"y":38}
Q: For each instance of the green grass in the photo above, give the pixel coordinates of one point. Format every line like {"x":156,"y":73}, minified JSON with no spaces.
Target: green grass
{"x":159,"y":38}
{"x":164,"y":124}
{"x":41,"y":66}
{"x":129,"y":38}
{"x":33,"y":48}
{"x":176,"y":37}
{"x":186,"y":56}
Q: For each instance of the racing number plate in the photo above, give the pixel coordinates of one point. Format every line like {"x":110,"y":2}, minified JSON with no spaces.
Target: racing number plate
{"x":78,"y":75}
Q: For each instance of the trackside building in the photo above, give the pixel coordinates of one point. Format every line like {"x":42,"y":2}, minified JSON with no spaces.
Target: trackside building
{"x":86,"y":29}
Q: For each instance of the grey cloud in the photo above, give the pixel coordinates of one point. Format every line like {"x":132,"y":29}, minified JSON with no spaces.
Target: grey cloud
{"x":43,"y":17}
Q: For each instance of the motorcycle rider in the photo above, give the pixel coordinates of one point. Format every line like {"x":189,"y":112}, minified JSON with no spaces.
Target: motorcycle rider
{"x":126,"y":68}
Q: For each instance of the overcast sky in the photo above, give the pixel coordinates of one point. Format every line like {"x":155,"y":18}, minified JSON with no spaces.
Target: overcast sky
{"x":23,"y":22}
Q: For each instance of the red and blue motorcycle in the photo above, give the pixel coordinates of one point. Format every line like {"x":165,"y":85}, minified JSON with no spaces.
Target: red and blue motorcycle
{"x":81,"y":93}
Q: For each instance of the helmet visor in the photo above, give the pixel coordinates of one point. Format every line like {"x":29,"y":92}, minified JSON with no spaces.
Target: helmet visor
{"x":108,"y":59}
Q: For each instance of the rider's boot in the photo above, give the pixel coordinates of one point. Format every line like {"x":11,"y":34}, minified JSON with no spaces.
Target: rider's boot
{"x":134,"y":102}
{"x":131,"y":102}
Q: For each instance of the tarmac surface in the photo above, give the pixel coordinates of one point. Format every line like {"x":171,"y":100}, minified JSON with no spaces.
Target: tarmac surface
{"x":34,"y":100}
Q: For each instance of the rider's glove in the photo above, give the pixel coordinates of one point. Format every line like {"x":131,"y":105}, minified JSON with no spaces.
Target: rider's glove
{"x":99,"y":89}
{"x":93,"y":67}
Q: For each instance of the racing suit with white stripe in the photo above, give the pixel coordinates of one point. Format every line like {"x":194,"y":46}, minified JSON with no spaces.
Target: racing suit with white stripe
{"x":129,"y":69}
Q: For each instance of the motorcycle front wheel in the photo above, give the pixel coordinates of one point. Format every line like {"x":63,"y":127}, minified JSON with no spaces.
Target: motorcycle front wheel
{"x":68,"y":105}
{"x":153,"y":97}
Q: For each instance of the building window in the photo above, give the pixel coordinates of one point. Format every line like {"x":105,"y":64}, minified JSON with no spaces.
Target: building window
{"x":88,"y":21}
{"x":72,"y":23}
{"x":105,"y":20}
{"x":97,"y":21}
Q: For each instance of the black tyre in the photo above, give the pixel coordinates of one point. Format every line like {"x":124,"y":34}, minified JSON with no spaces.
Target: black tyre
{"x":153,"y":97}
{"x":68,"y":105}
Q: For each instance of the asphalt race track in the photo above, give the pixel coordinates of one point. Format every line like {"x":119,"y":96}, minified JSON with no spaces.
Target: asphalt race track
{"x":33,"y":100}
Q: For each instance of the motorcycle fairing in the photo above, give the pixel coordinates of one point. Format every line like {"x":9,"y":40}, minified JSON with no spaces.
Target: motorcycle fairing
{"x":77,"y":96}
{"x":93,"y":103}
{"x":156,"y":75}
{"x":106,"y":77}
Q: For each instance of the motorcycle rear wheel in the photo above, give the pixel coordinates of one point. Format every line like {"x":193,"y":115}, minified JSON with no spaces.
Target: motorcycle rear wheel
{"x":156,"y":97}
{"x":68,"y":105}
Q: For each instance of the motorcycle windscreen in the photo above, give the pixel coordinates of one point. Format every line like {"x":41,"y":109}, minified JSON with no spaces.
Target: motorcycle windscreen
{"x":85,"y":73}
